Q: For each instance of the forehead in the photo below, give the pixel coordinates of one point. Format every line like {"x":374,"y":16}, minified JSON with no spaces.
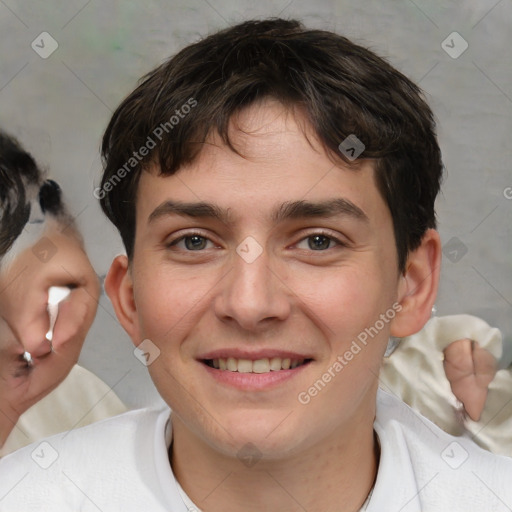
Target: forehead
{"x":278,"y":159}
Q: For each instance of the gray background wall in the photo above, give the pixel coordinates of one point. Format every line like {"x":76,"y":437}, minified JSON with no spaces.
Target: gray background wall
{"x":60,"y":105}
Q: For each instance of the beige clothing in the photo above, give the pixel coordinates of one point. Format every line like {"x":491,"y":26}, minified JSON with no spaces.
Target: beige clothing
{"x":415,"y":373}
{"x":81,"y":399}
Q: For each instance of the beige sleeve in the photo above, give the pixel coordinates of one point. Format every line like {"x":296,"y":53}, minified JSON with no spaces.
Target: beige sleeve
{"x":415,"y":373}
{"x":443,"y":330}
{"x":82,"y":398}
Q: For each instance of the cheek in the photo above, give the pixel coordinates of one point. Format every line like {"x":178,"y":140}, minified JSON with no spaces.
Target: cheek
{"x":345,"y":300}
{"x":168,"y":302}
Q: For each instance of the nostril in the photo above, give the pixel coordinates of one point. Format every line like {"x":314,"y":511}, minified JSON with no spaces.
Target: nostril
{"x":50,"y":197}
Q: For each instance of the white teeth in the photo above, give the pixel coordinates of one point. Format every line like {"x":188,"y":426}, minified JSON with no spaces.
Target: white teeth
{"x":244,"y":366}
{"x":259,"y":366}
{"x":264,"y":365}
{"x":275,"y":364}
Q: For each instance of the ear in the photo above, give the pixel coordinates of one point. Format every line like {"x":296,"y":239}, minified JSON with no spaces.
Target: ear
{"x":119,"y":288}
{"x":418,"y":285}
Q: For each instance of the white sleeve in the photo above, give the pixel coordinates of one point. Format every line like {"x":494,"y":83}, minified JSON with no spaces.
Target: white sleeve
{"x":443,"y":330}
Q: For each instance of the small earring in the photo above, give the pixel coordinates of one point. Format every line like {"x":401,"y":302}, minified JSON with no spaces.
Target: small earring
{"x":27,"y":356}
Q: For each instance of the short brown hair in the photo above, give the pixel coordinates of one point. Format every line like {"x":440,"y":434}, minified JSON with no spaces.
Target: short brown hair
{"x":343,"y":89}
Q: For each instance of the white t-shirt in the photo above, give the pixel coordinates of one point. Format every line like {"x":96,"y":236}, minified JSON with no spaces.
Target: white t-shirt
{"x":122,"y":464}
{"x":191,"y":507}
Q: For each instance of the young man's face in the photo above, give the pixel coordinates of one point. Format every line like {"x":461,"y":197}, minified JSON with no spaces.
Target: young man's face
{"x":292,"y":259}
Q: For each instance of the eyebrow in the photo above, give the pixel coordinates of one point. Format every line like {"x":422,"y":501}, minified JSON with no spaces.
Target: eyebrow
{"x":329,"y":208}
{"x":200,"y":209}
{"x":289,"y":210}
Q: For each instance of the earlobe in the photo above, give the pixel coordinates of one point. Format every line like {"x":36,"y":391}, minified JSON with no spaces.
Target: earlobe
{"x":418,"y":286}
{"x":119,"y":288}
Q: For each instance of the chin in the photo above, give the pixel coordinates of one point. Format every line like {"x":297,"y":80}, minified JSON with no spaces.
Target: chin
{"x":270,"y":435}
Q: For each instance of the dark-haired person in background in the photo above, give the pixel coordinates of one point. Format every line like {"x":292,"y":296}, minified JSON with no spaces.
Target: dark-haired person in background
{"x":284,"y":213}
{"x":41,"y":248}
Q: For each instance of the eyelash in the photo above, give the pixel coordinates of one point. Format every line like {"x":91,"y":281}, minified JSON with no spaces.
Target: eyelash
{"x":181,"y":238}
{"x":337,"y":241}
{"x":325,"y":234}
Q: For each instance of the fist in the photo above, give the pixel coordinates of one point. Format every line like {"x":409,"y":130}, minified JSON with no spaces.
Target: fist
{"x":469,"y":369}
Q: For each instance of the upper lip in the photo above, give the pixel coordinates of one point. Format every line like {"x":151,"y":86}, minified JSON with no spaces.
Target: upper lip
{"x":253,"y":355}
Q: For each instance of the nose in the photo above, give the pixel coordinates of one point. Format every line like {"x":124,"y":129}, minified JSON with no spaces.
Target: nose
{"x":252,"y":295}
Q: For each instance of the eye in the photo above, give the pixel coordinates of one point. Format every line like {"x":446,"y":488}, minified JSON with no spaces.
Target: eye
{"x":318,"y":242}
{"x":192,"y":242}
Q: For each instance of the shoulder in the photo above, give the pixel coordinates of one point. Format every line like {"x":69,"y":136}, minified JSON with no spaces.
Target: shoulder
{"x":104,"y":433}
{"x":422,"y":464}
{"x":106,"y":458}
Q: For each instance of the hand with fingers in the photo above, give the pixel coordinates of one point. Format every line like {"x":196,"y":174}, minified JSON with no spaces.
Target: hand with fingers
{"x":470,"y":369}
{"x":36,"y":356}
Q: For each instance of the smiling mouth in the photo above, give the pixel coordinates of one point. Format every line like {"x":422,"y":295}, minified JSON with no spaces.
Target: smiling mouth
{"x":264,"y":365}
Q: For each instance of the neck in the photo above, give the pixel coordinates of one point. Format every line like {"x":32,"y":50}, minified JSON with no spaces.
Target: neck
{"x":340,"y":469}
